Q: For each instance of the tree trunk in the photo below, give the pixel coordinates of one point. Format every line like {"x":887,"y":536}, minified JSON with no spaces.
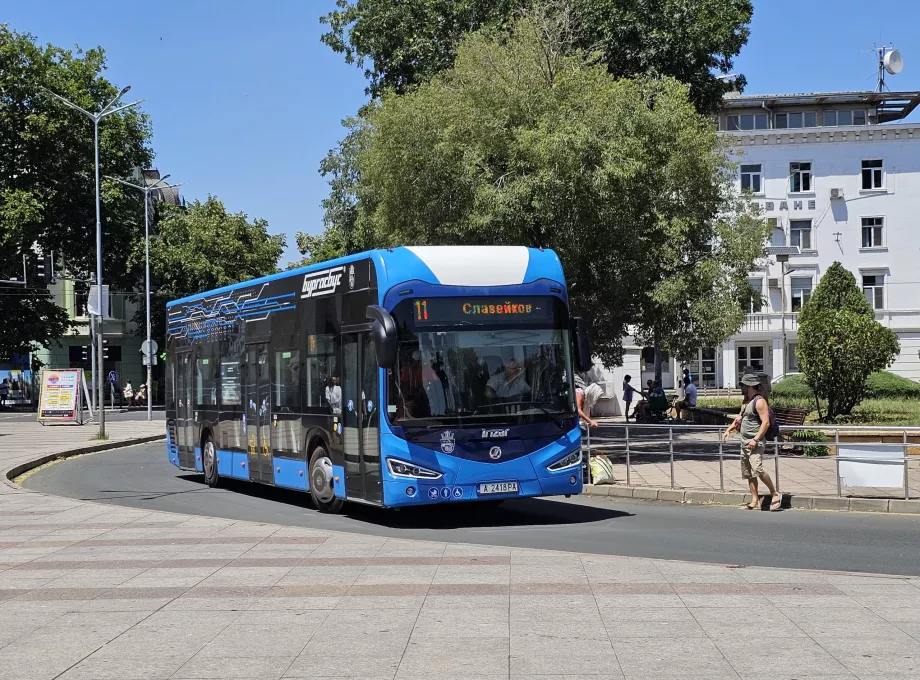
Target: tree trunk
{"x":657,"y":362}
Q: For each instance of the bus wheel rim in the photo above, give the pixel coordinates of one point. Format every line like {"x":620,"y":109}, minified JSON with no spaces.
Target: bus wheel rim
{"x":321,"y":479}
{"x":209,"y":459}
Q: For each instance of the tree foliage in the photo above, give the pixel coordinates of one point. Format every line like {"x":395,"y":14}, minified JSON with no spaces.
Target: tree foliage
{"x":201,"y":247}
{"x":841,"y":343}
{"x":523,"y":142}
{"x":405,"y":43}
{"x":47,"y":182}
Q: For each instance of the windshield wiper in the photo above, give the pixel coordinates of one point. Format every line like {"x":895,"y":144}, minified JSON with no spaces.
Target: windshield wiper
{"x":533,"y":404}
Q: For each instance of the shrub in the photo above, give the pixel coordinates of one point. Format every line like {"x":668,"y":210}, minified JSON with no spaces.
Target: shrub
{"x":810,"y":436}
{"x":885,"y":385}
{"x":792,"y":386}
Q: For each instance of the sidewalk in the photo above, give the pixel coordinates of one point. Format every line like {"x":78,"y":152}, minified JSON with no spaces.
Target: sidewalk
{"x":91,"y":591}
{"x":696,"y":465}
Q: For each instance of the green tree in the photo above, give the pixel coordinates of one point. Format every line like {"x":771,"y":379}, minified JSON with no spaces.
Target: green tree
{"x":46,"y":179}
{"x":841,"y":343}
{"x":521,"y":142}
{"x":406,"y":43}
{"x":201,"y":247}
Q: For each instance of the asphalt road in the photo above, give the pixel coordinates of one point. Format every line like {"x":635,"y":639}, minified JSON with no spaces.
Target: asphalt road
{"x":141,"y":477}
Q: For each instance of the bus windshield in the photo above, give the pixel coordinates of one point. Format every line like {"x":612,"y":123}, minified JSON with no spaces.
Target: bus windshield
{"x":461,"y":362}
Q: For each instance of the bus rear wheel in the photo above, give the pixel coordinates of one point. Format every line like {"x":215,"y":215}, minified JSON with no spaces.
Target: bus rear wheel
{"x":209,"y":462}
{"x":322,"y":482}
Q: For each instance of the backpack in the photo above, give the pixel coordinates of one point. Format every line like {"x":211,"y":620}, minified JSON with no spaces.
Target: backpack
{"x":772,"y":432}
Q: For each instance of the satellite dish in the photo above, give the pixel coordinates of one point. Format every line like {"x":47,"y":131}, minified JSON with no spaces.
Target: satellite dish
{"x":894,"y":62}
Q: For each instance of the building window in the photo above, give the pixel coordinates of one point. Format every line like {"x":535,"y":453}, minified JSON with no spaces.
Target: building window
{"x":756,"y":301}
{"x":750,"y":357}
{"x":847,"y":117}
{"x":777,"y":233}
{"x":872,"y":228}
{"x":874,"y":290}
{"x":800,"y":234}
{"x":801,"y":292}
{"x":751,"y":179}
{"x":799,"y":177}
{"x":792,"y":361}
{"x":796,"y":120}
{"x":748,"y":121}
{"x":872,"y":177}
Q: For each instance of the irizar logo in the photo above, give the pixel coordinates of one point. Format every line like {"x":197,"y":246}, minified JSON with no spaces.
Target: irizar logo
{"x":494,"y":434}
{"x":322,"y":283}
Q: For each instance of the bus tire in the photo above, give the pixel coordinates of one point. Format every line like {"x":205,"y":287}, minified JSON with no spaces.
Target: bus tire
{"x":209,"y":462}
{"x":322,"y":480}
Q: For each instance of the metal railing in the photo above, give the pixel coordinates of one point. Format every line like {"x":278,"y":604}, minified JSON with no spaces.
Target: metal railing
{"x":637,"y":438}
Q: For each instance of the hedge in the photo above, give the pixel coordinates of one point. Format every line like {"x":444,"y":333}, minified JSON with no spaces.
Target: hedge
{"x":880,"y":385}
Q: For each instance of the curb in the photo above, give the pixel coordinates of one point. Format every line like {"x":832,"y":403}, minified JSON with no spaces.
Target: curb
{"x":893,"y":505}
{"x":12,"y":473}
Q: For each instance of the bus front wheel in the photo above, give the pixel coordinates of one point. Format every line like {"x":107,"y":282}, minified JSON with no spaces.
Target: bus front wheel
{"x":322,"y":482}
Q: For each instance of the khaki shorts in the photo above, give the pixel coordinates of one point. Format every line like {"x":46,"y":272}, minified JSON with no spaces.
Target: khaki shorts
{"x":752,"y":461}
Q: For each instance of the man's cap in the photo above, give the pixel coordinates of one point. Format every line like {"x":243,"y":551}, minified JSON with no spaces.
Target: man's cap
{"x":750,"y":380}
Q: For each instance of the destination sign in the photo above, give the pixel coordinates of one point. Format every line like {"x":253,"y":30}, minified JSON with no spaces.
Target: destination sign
{"x":475,"y":310}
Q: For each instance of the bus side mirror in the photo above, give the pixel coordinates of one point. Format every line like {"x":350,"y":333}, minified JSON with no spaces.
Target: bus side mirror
{"x":384,"y":334}
{"x":583,"y":359}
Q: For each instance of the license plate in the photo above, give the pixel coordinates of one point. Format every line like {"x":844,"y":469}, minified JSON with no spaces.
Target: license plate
{"x":498,"y":487}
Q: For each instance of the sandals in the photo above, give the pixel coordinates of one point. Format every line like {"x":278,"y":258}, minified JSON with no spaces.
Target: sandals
{"x":776,"y":504}
{"x":748,"y":506}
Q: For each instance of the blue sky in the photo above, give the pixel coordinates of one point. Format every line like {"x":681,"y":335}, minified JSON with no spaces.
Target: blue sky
{"x":246,"y":101}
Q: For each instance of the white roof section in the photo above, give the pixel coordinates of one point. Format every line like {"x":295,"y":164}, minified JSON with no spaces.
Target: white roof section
{"x":475,"y":265}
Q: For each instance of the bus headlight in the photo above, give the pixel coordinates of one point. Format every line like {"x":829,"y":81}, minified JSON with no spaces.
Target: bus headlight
{"x":400,"y":468}
{"x":570,"y":460}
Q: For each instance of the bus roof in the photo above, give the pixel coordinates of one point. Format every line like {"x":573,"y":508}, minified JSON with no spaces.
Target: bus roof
{"x":446,"y":265}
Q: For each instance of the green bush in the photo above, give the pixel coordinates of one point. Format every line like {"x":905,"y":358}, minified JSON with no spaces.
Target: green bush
{"x":810,"y":436}
{"x":879,"y":385}
{"x":792,"y":386}
{"x":885,"y":385}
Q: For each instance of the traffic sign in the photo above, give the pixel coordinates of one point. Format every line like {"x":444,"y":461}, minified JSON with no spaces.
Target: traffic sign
{"x":113,"y":377}
{"x":149,"y":349}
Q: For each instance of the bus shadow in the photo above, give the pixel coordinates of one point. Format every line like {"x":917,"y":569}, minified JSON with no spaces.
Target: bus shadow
{"x":518,"y":512}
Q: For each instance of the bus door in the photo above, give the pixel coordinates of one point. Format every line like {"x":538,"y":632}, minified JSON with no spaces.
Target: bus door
{"x":185,"y":410}
{"x":361,"y":418}
{"x":257,"y":410}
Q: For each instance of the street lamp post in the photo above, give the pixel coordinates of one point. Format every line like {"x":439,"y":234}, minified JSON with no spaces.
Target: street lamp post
{"x":782,"y":254}
{"x":106,"y":110}
{"x":156,"y":186}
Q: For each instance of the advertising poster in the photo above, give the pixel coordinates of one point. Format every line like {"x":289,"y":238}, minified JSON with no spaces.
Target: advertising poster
{"x":59,"y":395}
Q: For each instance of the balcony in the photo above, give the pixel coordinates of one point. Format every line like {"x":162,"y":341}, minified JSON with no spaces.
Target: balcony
{"x":769,"y":322}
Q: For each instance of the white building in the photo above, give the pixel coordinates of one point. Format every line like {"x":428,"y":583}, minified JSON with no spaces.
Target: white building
{"x":838,"y":175}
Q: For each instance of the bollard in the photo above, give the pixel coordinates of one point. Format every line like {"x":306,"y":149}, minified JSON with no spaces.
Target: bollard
{"x":588,"y":455}
{"x":837,"y":460}
{"x":776,"y":463}
{"x":721,"y":467}
{"x":906,"y":464}
{"x":627,"y":457}
{"x":671,"y":452}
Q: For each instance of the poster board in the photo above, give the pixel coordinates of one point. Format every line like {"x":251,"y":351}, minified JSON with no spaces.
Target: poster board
{"x":60,"y":395}
{"x":881,"y":466}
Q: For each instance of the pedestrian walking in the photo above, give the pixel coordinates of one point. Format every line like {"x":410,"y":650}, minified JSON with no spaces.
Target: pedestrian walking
{"x":629,"y":394}
{"x":585,"y":397}
{"x":753,"y":423}
{"x":4,"y":392}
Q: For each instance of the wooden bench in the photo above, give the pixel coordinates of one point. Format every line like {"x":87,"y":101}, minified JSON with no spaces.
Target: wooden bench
{"x":790,"y":417}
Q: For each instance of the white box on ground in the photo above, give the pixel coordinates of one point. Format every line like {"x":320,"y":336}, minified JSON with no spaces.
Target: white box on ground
{"x":883,"y":466}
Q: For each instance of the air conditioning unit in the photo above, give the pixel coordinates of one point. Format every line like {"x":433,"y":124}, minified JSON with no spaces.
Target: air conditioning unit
{"x":772,"y":283}
{"x":836,"y":193}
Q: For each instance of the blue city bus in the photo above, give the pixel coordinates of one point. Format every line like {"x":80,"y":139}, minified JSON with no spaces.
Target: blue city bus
{"x":395,"y":377}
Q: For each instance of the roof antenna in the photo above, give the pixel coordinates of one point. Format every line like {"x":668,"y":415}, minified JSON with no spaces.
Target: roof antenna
{"x":889,"y":61}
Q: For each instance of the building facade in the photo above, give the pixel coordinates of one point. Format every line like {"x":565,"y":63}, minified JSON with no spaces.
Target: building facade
{"x":837,"y":175}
